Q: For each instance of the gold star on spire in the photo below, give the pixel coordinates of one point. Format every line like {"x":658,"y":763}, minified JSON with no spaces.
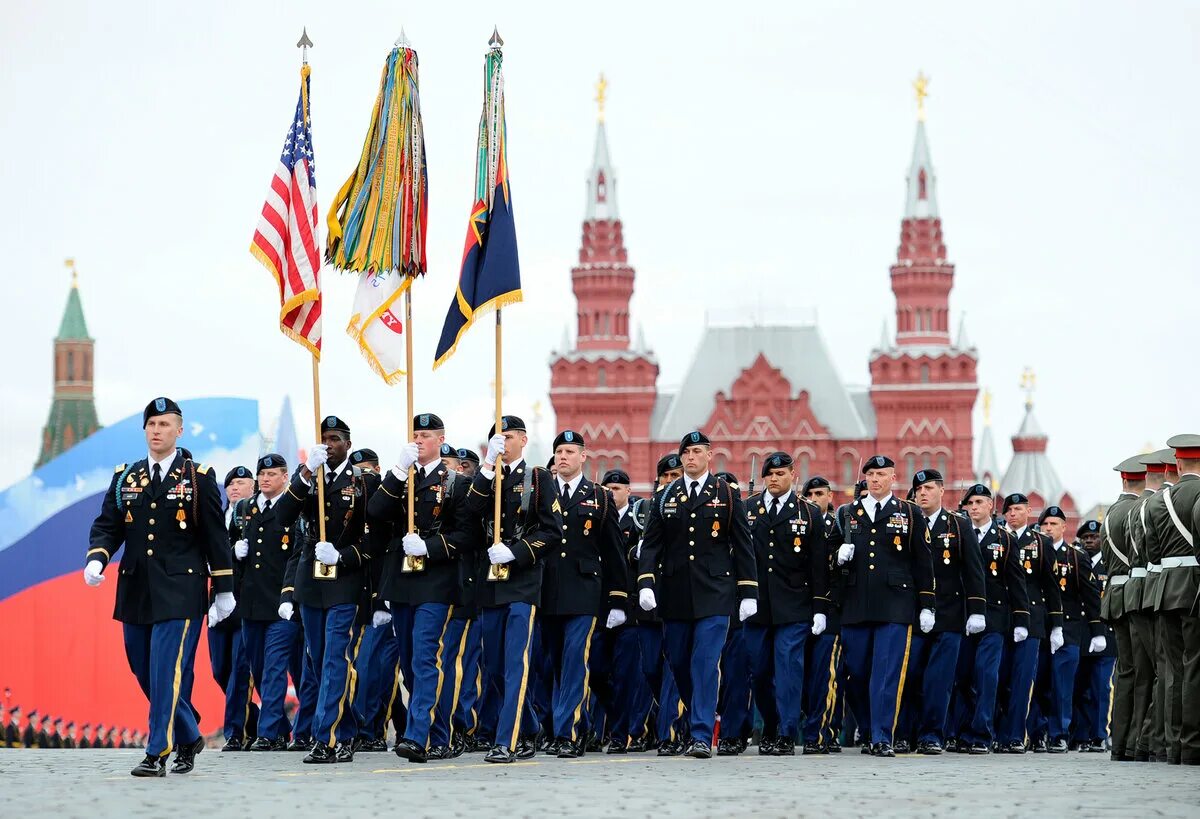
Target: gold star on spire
{"x":1028,"y":383}
{"x":70,"y":263}
{"x":601,"y":87}
{"x":921,"y":86}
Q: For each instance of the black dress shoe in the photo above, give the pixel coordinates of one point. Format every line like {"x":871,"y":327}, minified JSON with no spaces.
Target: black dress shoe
{"x":813,"y":748}
{"x":929,"y":748}
{"x":618,"y":746}
{"x":151,"y":766}
{"x":344,"y":752}
{"x":477,"y":745}
{"x":232,"y":744}
{"x":1039,"y":745}
{"x":767,"y":746}
{"x":1094,"y":747}
{"x":867,"y":748}
{"x":979,"y":748}
{"x":185,"y":757}
{"x":670,"y":749}
{"x":303,"y":744}
{"x":321,"y":754}
{"x":1015,"y":747}
{"x":594,"y":744}
{"x":700,"y":750}
{"x":373,"y":746}
{"x":407,"y":749}
{"x":551,"y":748}
{"x":951,"y":745}
{"x":260,"y":744}
{"x":902,"y":746}
{"x":784,"y":746}
{"x":570,"y":750}
{"x":834,"y":747}
{"x":458,"y":746}
{"x":637,"y":745}
{"x":883,"y":749}
{"x":1058,"y":746}
{"x":279,"y":744}
{"x":440,"y":752}
{"x":527,"y":748}
{"x":728,"y":747}
{"x":500,"y":754}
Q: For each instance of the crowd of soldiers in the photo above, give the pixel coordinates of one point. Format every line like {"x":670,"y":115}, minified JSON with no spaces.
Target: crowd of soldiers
{"x":568,"y":616}
{"x":46,"y":731}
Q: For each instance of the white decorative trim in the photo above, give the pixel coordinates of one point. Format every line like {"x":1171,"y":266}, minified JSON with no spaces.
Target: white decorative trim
{"x":924,"y":426}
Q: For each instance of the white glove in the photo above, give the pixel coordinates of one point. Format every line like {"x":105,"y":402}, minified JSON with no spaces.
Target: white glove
{"x":818,"y":626}
{"x":241,"y":549}
{"x":499,"y":554}
{"x":926,"y":620}
{"x":222,"y":607}
{"x":285,"y":611}
{"x":1056,"y":639}
{"x":1097,"y":645}
{"x":845,"y":553}
{"x":976,"y":624}
{"x":91,"y":573}
{"x":414,"y":546}
{"x":616,"y":617}
{"x":381,"y":618}
{"x":1020,"y":633}
{"x":646,"y":600}
{"x":327,"y":554}
{"x":408,"y":457}
{"x":318,"y":456}
{"x":747,"y":609}
{"x":495,"y":449}
{"x":637,"y":552}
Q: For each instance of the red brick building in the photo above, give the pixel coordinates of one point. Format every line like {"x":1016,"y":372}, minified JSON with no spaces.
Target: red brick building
{"x":756,"y":389}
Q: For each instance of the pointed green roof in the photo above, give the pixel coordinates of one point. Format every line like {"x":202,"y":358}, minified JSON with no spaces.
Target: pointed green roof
{"x":73,"y":327}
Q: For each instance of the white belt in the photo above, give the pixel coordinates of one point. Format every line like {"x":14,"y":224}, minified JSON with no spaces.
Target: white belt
{"x":1137,"y":571}
{"x":1118,"y":580}
{"x":1153,"y":568}
{"x":1176,"y":562}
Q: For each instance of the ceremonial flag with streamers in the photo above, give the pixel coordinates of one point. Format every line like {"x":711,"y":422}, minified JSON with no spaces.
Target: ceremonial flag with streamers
{"x":286,"y":238}
{"x":491,"y":275}
{"x":377,"y":223}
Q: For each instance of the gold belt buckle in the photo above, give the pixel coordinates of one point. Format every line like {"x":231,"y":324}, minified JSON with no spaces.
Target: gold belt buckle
{"x":324,"y":571}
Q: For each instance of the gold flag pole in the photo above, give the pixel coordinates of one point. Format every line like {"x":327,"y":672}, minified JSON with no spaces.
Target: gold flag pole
{"x":498,"y":572}
{"x":411,"y":563}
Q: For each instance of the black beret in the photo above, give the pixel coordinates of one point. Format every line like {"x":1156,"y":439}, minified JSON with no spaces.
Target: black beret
{"x":1052,"y":512}
{"x":815,"y":482}
{"x":468,"y":455}
{"x":693,"y":439}
{"x":925,"y":476}
{"x":186,"y":453}
{"x":550,"y":463}
{"x":160,"y":406}
{"x":428,"y":421}
{"x":776,"y":460}
{"x":336,"y":424}
{"x":237,"y":472}
{"x":877,"y":462}
{"x":1087,"y":526}
{"x":1013,"y":500}
{"x":976,"y":489}
{"x":364,"y":455}
{"x":729,"y":478}
{"x":448,"y":451}
{"x":507,"y":423}
{"x":272,"y":461}
{"x":860,"y":487}
{"x":615,"y":476}
{"x":570,"y":437}
{"x":668,"y":462}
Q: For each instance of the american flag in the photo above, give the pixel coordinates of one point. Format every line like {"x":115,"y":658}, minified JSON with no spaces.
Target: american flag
{"x":286,"y":238}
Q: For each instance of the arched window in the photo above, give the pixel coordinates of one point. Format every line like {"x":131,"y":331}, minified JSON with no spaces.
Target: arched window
{"x":601,"y":468}
{"x":910,"y":464}
{"x":942,"y":466}
{"x":718,"y":463}
{"x":924,"y":373}
{"x":802,"y":467}
{"x":70,"y":366}
{"x":601,"y":377}
{"x":848,"y":470}
{"x":926,"y":460}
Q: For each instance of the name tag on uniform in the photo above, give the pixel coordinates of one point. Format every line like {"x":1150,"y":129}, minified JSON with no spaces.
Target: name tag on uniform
{"x":131,"y":494}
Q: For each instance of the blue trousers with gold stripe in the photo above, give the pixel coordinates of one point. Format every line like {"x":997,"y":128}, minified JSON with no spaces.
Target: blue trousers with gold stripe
{"x":776,"y":655}
{"x":307,"y":688}
{"x":231,"y":670}
{"x":332,"y":638}
{"x":162,"y":656}
{"x":628,"y":684}
{"x":268,"y":646}
{"x":694,"y":651}
{"x":734,"y":696}
{"x":507,"y":637}
{"x":876,"y":658}
{"x":567,"y":642}
{"x":456,"y":708}
{"x":374,"y":670}
{"x":1022,"y":661}
{"x":928,"y":684}
{"x":820,"y":686}
{"x":429,"y":624}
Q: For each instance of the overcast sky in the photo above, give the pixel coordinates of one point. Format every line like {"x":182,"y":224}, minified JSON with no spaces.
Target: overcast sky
{"x":760,"y":149}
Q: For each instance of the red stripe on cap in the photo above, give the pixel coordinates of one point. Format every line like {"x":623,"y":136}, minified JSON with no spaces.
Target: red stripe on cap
{"x":1133,"y":476}
{"x":1187,"y":452}
{"x":1156,"y":467}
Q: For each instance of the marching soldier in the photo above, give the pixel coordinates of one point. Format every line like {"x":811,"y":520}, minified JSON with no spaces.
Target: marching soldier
{"x":1172,"y":518}
{"x":166,"y":511}
{"x":422,"y":575}
{"x":468,"y":462}
{"x":584,"y":576}
{"x":793,"y":594}
{"x":696,"y":552}
{"x":12,"y":731}
{"x":327,"y":578}
{"x":226,"y":651}
{"x":1120,"y":608}
{"x":263,"y":547}
{"x":1080,"y":599}
{"x":889,"y":575}
{"x":511,"y":591}
{"x":365,"y":459}
{"x":630,"y":692}
{"x":1093,"y":682}
{"x":1044,"y":620}
{"x":735,"y":698}
{"x":822,"y":659}
{"x":1139,"y":593}
{"x":960,"y":608}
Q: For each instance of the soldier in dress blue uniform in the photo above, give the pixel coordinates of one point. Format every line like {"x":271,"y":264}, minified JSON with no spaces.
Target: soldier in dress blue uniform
{"x":468,"y":462}
{"x":735,"y":698}
{"x":792,"y":558}
{"x":630,"y":692}
{"x":1044,"y":621}
{"x":1093,"y":681}
{"x":1082,"y":630}
{"x":263,"y":546}
{"x":422,"y":578}
{"x":511,"y":591}
{"x":960,"y":608}
{"x":327,"y":578}
{"x":226,"y":652}
{"x":889,"y":575}
{"x":822,"y":658}
{"x":166,"y":511}
{"x":696,"y":553}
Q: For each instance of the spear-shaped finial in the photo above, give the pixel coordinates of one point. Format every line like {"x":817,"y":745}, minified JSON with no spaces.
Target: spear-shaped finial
{"x":70,"y":264}
{"x":496,"y":41}
{"x":304,"y":44}
{"x":402,"y":40}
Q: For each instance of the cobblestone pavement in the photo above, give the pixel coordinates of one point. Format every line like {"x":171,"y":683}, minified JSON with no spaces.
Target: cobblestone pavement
{"x":97,"y":783}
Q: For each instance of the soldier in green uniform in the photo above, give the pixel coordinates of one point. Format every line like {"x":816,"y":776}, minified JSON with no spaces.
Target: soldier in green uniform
{"x":1157,"y":479}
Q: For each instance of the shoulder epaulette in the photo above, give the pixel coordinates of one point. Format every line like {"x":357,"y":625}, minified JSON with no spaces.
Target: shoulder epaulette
{"x":120,"y":468}
{"x":203,"y":469}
